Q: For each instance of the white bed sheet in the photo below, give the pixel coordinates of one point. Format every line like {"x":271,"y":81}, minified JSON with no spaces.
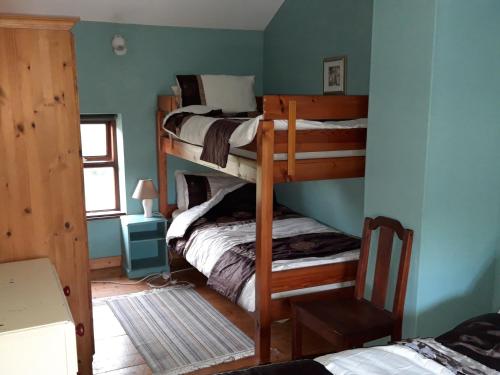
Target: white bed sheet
{"x":381,"y":360}
{"x":398,"y":359}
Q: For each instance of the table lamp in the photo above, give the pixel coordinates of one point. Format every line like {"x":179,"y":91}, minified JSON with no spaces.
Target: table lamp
{"x":146,"y":191}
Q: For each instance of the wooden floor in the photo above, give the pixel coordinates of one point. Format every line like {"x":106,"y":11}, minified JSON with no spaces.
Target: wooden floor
{"x":116,"y":355}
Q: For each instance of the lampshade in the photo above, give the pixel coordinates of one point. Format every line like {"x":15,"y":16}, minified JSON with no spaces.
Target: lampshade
{"x":145,"y":190}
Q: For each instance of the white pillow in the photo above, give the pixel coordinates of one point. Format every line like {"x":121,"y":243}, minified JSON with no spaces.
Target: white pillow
{"x":212,"y":183}
{"x":229,"y":93}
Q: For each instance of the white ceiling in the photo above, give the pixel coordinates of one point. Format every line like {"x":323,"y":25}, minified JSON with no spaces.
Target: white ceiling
{"x":222,"y":14}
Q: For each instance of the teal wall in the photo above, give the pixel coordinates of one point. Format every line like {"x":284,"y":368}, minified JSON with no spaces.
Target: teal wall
{"x":496,"y":292}
{"x":296,"y":41}
{"x":461,"y":211}
{"x":400,"y":86}
{"x":433,"y":144}
{"x":128,"y":85}
{"x":104,"y":238}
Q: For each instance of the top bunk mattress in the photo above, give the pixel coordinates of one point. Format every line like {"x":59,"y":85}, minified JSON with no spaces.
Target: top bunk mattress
{"x":191,"y":124}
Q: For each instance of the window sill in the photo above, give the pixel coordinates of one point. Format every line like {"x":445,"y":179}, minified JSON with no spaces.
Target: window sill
{"x":104,"y":215}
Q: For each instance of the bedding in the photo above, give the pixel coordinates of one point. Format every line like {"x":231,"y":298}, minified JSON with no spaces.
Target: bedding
{"x":477,"y":338}
{"x":193,"y":124}
{"x":410,"y":357}
{"x":218,"y":238}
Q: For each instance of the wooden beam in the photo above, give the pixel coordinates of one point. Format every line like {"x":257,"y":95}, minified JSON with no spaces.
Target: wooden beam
{"x":318,"y":140}
{"x":161,"y":160}
{"x":23,"y":21}
{"x":292,"y":133}
{"x":311,"y":107}
{"x":108,"y":262}
{"x":166,"y":103}
{"x":307,"y":277}
{"x":264,"y":229}
{"x":320,"y":169}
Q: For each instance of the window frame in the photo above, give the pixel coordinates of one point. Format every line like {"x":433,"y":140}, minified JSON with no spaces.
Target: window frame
{"x":102,"y":161}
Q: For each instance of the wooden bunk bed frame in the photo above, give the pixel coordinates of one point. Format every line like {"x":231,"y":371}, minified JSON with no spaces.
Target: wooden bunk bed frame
{"x":265,"y":172}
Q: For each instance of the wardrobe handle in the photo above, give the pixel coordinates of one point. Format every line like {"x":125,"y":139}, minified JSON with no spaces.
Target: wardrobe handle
{"x":80,"y":329}
{"x":67,"y":291}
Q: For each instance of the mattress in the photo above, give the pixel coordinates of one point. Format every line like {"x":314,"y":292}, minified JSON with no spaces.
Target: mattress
{"x":300,"y":155}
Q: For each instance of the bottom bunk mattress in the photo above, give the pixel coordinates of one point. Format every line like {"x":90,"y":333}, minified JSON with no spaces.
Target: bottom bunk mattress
{"x":217,"y":237}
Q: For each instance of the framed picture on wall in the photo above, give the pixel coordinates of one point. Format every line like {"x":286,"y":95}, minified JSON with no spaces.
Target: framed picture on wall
{"x":334,"y":75}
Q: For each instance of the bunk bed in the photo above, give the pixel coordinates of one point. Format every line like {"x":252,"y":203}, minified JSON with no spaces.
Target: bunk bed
{"x":258,"y":164}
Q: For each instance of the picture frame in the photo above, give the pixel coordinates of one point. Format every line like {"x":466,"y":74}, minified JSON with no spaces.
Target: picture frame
{"x":335,"y":75}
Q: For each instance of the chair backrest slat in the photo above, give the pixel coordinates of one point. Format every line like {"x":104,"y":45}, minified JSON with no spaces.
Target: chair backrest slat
{"x":404,"y":270}
{"x":388,"y":228}
{"x":359,"y":290}
{"x":382,"y":266}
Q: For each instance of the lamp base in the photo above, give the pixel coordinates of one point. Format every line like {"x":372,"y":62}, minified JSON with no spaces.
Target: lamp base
{"x":147,"y":204}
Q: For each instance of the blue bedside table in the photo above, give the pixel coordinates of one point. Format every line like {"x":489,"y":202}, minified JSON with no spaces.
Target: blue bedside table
{"x":144,"y":245}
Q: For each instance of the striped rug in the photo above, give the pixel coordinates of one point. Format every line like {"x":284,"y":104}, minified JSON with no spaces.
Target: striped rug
{"x":177,"y":331}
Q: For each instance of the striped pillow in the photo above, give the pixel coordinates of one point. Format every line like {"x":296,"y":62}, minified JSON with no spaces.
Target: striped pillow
{"x":194,"y":189}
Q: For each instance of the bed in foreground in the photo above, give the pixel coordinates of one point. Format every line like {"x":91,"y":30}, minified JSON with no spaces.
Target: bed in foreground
{"x":473,"y":347}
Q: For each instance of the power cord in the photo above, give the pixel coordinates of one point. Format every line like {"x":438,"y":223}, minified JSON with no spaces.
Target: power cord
{"x":167,"y":277}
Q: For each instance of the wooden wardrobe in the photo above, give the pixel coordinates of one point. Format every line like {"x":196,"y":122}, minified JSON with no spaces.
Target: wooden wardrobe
{"x":41,"y":180}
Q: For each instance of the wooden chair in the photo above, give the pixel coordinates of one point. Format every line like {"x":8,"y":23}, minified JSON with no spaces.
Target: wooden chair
{"x":349,"y":323}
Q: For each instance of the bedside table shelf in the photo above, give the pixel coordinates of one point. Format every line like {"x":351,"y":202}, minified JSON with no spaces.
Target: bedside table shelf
{"x":146,"y":236}
{"x":144,"y":245}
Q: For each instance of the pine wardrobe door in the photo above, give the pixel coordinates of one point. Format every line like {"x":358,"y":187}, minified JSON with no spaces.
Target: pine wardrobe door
{"x":41,"y":183}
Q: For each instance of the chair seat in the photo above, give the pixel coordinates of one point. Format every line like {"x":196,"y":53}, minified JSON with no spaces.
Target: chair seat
{"x":355,"y":321}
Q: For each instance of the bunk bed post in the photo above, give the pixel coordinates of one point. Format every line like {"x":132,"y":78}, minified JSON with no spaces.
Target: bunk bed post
{"x":292,"y":136}
{"x":264,"y":200}
{"x":162,"y":167}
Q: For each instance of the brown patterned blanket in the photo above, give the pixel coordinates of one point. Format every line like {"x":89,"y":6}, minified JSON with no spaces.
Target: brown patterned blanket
{"x":216,"y":142}
{"x":236,"y":266}
{"x":477,"y":338}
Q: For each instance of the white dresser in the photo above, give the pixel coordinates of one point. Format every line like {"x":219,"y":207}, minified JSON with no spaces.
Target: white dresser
{"x":37,"y":333}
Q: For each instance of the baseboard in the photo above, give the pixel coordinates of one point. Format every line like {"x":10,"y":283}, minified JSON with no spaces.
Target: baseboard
{"x":109,"y":262}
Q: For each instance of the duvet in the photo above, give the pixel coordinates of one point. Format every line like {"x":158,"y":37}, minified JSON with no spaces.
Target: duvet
{"x":471,"y":348}
{"x":218,"y":238}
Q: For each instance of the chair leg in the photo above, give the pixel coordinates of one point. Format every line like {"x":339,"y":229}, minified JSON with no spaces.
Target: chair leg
{"x":296,"y":336}
{"x":396,"y":333}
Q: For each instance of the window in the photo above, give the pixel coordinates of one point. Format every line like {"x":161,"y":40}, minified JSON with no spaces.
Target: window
{"x":100,"y":165}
